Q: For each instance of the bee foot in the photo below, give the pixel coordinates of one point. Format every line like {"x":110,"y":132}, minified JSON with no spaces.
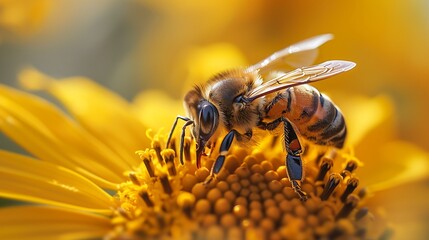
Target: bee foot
{"x":209,"y":180}
{"x":297,"y":188}
{"x":302,"y":195}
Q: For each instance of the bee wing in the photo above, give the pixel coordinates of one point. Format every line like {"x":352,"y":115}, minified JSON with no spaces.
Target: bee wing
{"x":301,"y":76}
{"x":297,"y":55}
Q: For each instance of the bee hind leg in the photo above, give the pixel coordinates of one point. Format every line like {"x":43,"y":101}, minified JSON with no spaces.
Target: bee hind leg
{"x":293,"y":159}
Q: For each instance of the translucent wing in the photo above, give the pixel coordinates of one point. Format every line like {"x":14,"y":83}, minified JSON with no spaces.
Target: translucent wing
{"x":300,"y":76}
{"x":297,"y":55}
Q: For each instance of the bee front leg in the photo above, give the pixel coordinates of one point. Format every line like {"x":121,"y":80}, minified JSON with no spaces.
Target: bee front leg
{"x":293,"y":159}
{"x":223,"y":150}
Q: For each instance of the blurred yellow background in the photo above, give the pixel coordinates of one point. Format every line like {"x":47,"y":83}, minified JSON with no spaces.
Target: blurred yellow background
{"x":132,"y":45}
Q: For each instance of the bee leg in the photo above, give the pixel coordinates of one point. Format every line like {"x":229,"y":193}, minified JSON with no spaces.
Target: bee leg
{"x":170,"y":135}
{"x":182,"y":139}
{"x":182,"y":136}
{"x":212,"y":147}
{"x":293,"y":159}
{"x":223,"y":150}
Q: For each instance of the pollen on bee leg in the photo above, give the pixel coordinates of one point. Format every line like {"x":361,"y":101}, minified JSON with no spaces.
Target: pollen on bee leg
{"x":168,"y":156}
{"x":351,"y":202}
{"x":331,"y":184}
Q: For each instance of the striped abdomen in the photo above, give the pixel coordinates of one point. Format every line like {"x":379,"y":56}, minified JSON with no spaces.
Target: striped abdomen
{"x":313,"y":114}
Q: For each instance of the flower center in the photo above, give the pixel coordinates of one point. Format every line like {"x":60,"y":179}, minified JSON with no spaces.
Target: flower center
{"x":251,"y":198}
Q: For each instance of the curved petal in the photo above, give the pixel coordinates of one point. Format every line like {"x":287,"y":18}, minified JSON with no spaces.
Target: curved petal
{"x":406,"y":207}
{"x":28,"y":179}
{"x":38,"y":222}
{"x":159,"y":106}
{"x":104,"y":114}
{"x":363,"y":115}
{"x":400,"y":162}
{"x":47,"y":133}
{"x":203,"y":62}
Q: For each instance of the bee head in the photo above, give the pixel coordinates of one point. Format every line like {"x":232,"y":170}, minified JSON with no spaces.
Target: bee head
{"x":206,"y":118}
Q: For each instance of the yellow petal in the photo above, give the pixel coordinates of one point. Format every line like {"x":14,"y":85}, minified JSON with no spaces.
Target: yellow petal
{"x":104,"y":114}
{"x":47,"y":133}
{"x":38,"y":222}
{"x":363,"y":115}
{"x":28,"y":179}
{"x":22,"y":17}
{"x":204,"y":62}
{"x":405,"y":206}
{"x":159,"y":106}
{"x":396,"y":164}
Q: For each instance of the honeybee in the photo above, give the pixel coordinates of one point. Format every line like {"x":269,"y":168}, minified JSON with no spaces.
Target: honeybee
{"x":237,"y":102}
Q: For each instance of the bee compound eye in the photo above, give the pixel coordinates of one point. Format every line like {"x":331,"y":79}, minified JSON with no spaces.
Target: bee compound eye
{"x":208,"y":120}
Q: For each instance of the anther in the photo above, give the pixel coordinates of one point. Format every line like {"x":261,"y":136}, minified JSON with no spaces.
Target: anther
{"x":327,"y":164}
{"x":319,"y":158}
{"x":134,"y":179}
{"x":333,"y":181}
{"x":363,"y":192}
{"x":147,"y":160}
{"x":361,"y":233}
{"x":361,"y":213}
{"x":186,"y":201}
{"x":274,"y":140}
{"x":149,"y":165}
{"x":352,"y":184}
{"x":123,"y":213}
{"x":351,"y":202}
{"x":172,"y":144}
{"x":387,"y":234}
{"x":166,"y":184}
{"x":157,"y":147}
{"x":336,"y":233}
{"x":168,"y":156}
{"x":145,"y":197}
{"x":351,"y":165}
{"x":187,"y":149}
{"x":345,"y":174}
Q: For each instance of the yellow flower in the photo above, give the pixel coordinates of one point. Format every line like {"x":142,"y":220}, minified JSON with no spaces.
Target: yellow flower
{"x":85,"y":181}
{"x":21,"y":17}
